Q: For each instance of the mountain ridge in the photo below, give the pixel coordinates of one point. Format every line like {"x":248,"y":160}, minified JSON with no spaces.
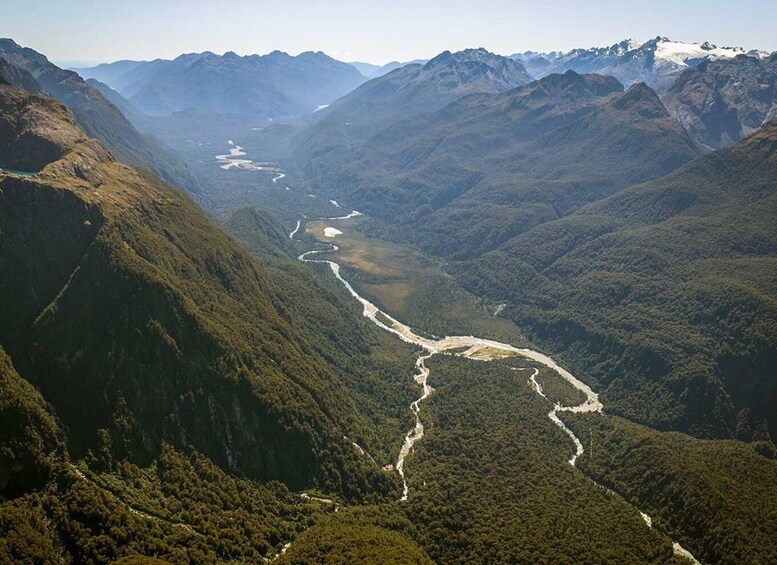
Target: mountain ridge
{"x":409,"y":91}
{"x":658,"y":61}
{"x":631,"y":271}
{"x":99,"y":118}
{"x":195,"y":349}
{"x":256,"y":86}
{"x":472,"y":152}
{"x":721,"y":102}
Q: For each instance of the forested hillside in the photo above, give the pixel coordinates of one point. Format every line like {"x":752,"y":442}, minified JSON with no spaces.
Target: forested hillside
{"x":548,"y":335}
{"x":466,"y":178}
{"x":153,"y":339}
{"x":662,"y":293}
{"x":716,"y":497}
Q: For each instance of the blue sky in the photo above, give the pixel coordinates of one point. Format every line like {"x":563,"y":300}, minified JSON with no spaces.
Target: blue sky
{"x":106,"y":30}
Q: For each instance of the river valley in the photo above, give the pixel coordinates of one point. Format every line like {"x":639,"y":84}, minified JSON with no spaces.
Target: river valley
{"x":466,"y":346}
{"x":470,"y":347}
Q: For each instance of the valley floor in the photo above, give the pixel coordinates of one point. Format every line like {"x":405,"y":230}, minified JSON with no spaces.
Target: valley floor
{"x":474,"y":348}
{"x":405,"y":284}
{"x":486,"y":468}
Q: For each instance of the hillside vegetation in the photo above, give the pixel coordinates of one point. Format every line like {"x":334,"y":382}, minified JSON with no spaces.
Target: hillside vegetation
{"x":464,"y":179}
{"x":195,"y":345}
{"x":717,"y":497}
{"x":662,"y":295}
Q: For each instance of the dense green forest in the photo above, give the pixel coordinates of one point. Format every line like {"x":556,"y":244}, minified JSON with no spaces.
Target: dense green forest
{"x":490,"y":481}
{"x":719,"y":498}
{"x":151,"y":334}
{"x":372,"y":534}
{"x":174,"y":392}
{"x":662,"y":295}
{"x":181,"y":509}
{"x":30,"y":441}
{"x":193,"y":305}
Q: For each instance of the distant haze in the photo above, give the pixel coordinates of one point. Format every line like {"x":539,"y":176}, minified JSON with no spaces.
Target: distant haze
{"x":365,"y":30}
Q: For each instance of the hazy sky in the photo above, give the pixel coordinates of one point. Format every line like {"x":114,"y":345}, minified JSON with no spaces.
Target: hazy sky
{"x":364,"y":30}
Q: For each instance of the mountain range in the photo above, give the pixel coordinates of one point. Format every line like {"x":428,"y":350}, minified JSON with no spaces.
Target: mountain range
{"x":266,"y":86}
{"x":177,"y":390}
{"x":374,"y":71}
{"x":656,"y":62}
{"x":664,"y":288}
{"x":409,"y":91}
{"x":472,"y":181}
{"x":495,"y":149}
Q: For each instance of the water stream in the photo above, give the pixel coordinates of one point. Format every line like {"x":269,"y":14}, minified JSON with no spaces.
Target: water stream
{"x":476,"y":348}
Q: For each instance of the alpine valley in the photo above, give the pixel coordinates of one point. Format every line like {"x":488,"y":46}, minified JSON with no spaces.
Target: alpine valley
{"x":467,"y":309}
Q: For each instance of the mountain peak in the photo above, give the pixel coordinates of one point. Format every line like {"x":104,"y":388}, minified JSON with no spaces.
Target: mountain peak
{"x":8,"y":43}
{"x":502,"y":71}
{"x":643,"y":100}
{"x":11,"y":50}
{"x":597,"y":85}
{"x":34,"y":143}
{"x":478,"y":54}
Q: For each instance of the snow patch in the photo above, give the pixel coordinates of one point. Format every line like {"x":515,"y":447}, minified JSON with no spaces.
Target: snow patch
{"x":680,"y":53}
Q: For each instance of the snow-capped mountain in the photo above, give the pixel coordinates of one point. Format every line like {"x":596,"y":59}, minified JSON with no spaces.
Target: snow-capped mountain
{"x":657,"y":62}
{"x":686,"y":53}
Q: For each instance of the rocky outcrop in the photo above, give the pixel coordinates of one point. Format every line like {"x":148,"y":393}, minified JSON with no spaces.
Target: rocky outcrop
{"x":721,"y":102}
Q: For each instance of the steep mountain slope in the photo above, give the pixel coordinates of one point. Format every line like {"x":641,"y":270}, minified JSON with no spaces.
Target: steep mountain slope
{"x":656,"y":62}
{"x":374,"y":71}
{"x":33,"y":135}
{"x":99,"y":118}
{"x":479,"y":171}
{"x":142,"y":323}
{"x":255,"y":86}
{"x":108,"y":72}
{"x":727,"y":512}
{"x":663,"y":293}
{"x":720,"y":102}
{"x":130,"y":111}
{"x":20,"y":78}
{"x":408,"y":91}
{"x":29,"y":438}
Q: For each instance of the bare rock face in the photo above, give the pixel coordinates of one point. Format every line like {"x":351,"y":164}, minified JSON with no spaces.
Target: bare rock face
{"x":721,"y":102}
{"x":15,"y":76}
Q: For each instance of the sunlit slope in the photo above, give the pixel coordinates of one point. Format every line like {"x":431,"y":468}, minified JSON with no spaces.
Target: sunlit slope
{"x":134,"y":314}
